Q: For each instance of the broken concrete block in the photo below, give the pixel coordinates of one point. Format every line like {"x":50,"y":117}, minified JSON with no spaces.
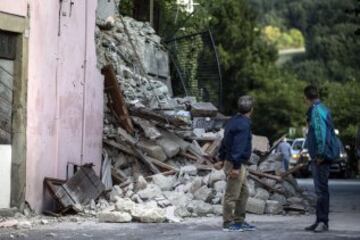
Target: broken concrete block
{"x":203,"y":193}
{"x":165,"y":183}
{"x":189,"y":170}
{"x":217,"y":199}
{"x":115,"y":193}
{"x":289,"y":188}
{"x":218,"y":209}
{"x":135,"y":198}
{"x":196,"y":184}
{"x":182,"y":212}
{"x":141,"y":183}
{"x":200,"y":208}
{"x":114,"y":217}
{"x":254,"y":159}
{"x":125,"y":205}
{"x":278,"y":197}
{"x":262,"y":194}
{"x":171,"y":215}
{"x":177,"y":199}
{"x":196,"y":150}
{"x":273,"y":207}
{"x":146,"y":214}
{"x":184,"y":145}
{"x":251,"y":188}
{"x":203,"y":109}
{"x":205,"y":180}
{"x":256,"y":206}
{"x":216,"y":175}
{"x":23,"y":225}
{"x":149,"y":129}
{"x":270,"y":182}
{"x":260,"y":143}
{"x":162,"y":202}
{"x":150,"y":192}
{"x":170,"y":148}
{"x":294,"y":200}
{"x":152,"y":150}
{"x":220,"y":186}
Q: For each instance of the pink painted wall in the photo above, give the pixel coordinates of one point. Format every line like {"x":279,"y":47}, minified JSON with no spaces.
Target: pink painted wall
{"x":16,"y":7}
{"x":65,"y":93}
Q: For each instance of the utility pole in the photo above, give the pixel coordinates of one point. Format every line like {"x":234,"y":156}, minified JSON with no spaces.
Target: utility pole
{"x":152,"y":13}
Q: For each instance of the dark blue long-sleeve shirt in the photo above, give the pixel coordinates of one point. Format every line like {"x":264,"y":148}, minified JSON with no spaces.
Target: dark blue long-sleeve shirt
{"x":236,"y":145}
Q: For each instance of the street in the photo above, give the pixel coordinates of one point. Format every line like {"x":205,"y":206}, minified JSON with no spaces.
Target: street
{"x":344,"y":224}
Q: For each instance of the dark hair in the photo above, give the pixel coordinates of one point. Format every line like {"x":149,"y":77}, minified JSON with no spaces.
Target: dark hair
{"x":311,"y":92}
{"x":245,"y":104}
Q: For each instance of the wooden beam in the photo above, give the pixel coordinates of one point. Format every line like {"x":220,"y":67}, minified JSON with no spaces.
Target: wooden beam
{"x":292,"y":170}
{"x":266,"y":175}
{"x":267,"y":186}
{"x":118,"y":103}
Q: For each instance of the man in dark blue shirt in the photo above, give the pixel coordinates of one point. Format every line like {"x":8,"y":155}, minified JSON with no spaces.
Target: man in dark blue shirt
{"x":235,"y":151}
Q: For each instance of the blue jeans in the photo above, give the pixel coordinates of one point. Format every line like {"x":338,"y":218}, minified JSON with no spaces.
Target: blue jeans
{"x":285,"y":164}
{"x":321,"y":175}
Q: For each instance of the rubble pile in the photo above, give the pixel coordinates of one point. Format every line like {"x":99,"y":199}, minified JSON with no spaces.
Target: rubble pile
{"x":123,"y":42}
{"x":159,"y":151}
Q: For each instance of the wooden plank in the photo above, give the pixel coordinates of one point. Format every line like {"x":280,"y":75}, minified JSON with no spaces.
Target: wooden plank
{"x":267,"y":186}
{"x":119,"y":146}
{"x":6,"y":80}
{"x":5,"y":119}
{"x":206,"y":146}
{"x":118,"y":103}
{"x":266,"y":175}
{"x":7,"y":73}
{"x":162,"y":165}
{"x":292,"y":170}
{"x":118,"y":175}
{"x":214,"y":147}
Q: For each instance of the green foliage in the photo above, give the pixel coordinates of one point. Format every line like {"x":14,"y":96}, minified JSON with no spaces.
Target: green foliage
{"x":279,"y":103}
{"x":126,"y":7}
{"x":343,"y":100}
{"x":283,"y":39}
{"x":332,"y":51}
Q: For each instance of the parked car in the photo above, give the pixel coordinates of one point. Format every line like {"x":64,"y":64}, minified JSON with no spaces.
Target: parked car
{"x":338,"y":168}
{"x":296,"y":148}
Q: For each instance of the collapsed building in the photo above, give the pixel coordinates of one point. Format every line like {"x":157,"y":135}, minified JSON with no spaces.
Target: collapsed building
{"x":159,"y":156}
{"x":157,"y":150}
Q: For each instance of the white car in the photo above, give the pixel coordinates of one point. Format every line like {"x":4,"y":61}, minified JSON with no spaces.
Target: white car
{"x":296,"y":148}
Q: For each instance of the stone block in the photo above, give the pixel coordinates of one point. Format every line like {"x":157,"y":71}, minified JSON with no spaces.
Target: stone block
{"x":273,"y":207}
{"x":114,"y":217}
{"x":256,"y":206}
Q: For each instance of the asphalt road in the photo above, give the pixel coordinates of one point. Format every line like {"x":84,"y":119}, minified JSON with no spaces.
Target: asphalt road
{"x":344,"y":224}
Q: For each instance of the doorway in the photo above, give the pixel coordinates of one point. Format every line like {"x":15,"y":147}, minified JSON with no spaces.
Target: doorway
{"x":13,"y":89}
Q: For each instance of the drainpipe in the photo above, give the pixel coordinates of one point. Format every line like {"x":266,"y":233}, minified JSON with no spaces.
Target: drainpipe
{"x":57,"y":103}
{"x":84,"y":87}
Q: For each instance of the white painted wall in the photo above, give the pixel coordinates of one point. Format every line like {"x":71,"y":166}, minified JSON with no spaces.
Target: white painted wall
{"x":5,"y":172}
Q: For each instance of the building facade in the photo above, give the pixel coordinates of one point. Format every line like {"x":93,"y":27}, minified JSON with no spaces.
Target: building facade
{"x":51,"y":102}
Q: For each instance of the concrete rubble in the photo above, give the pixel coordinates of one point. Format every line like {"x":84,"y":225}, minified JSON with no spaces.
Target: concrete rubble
{"x":163,"y":170}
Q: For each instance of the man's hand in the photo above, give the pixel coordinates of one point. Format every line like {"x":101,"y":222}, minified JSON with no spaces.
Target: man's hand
{"x":219,"y":165}
{"x":234,"y":173}
{"x":319,"y":160}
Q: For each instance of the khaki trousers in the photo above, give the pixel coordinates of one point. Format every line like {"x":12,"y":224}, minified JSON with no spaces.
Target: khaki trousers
{"x":236,"y":195}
